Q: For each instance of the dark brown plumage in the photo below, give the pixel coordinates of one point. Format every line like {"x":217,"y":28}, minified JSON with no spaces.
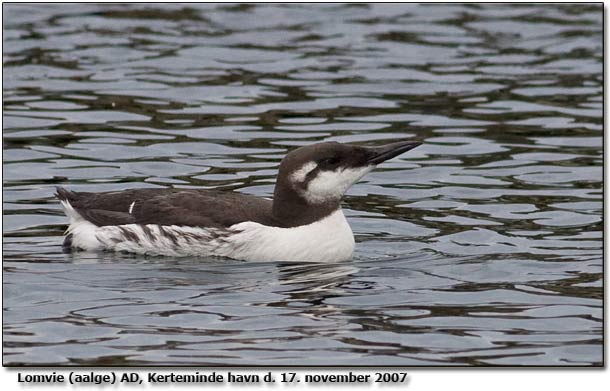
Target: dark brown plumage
{"x":201,"y":208}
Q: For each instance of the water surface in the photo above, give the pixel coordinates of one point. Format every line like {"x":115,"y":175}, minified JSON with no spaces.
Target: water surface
{"x":483,"y":246}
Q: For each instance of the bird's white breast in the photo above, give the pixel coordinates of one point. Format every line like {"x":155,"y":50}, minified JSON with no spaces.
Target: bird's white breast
{"x":328,"y":240}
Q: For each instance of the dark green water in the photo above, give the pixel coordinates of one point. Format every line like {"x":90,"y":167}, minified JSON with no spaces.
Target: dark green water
{"x":482,"y":246}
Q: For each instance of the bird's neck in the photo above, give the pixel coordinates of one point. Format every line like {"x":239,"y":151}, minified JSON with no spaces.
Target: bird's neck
{"x":291,"y":209}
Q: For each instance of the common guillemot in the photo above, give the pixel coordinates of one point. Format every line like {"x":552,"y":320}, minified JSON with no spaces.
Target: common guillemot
{"x":303,"y":222}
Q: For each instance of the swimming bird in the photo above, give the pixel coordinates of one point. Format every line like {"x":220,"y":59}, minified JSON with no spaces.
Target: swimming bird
{"x":303,"y":221}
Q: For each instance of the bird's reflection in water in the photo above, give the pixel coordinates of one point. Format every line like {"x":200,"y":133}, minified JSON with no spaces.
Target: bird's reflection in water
{"x":304,"y":287}
{"x":309,"y":286}
{"x":314,"y":277}
{"x":295,"y":281}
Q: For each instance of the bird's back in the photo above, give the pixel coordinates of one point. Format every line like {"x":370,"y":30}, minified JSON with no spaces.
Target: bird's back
{"x":182,"y":207}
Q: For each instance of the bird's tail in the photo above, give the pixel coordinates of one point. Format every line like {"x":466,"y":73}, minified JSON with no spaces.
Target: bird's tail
{"x":64,"y":194}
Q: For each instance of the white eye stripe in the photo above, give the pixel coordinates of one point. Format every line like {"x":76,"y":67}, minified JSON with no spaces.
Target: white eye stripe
{"x":299,"y":175}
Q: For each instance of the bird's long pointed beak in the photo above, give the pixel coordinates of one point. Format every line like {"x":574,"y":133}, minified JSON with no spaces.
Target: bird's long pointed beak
{"x":385,"y":152}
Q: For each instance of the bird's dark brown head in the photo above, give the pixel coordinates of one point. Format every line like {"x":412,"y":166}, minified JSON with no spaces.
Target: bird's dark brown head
{"x":318,"y":175}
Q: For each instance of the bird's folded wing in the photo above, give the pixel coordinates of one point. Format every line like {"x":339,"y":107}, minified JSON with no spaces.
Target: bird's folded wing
{"x":201,"y":208}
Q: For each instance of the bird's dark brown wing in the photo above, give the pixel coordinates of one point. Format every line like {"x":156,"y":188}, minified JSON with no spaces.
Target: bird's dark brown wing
{"x":185,"y":207}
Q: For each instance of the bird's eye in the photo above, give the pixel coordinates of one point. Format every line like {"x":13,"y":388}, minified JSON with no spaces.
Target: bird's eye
{"x":330,"y":162}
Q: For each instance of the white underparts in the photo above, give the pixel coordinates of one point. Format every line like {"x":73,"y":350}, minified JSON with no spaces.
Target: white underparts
{"x":83,"y":232}
{"x":327,"y":240}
